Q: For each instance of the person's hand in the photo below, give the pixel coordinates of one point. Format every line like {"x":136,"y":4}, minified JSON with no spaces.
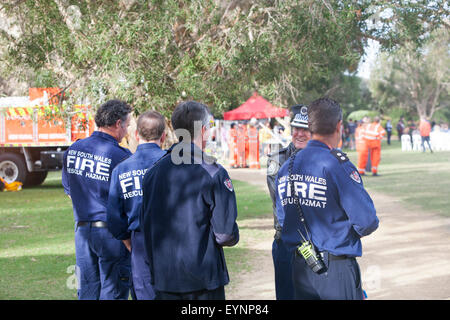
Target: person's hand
{"x":127,"y":244}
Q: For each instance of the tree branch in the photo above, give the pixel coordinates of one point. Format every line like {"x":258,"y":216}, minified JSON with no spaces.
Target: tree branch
{"x":382,"y":41}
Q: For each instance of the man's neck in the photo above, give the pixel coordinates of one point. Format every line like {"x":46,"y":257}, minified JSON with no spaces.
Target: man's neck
{"x":157,"y":142}
{"x":330,"y":140}
{"x":109,"y":131}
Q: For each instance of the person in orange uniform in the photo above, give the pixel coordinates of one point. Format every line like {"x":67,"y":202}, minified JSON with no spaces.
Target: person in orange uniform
{"x":242,"y":139}
{"x":373,"y":134}
{"x":425,"y":129}
{"x":361,"y":148}
{"x":253,"y":139}
{"x":232,"y":146}
{"x":247,"y":145}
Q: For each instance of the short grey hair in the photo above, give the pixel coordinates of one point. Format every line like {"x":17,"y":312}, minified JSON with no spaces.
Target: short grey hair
{"x":151,"y":125}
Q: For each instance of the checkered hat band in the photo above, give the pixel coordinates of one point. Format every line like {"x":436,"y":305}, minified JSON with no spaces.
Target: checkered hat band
{"x":300,"y":121}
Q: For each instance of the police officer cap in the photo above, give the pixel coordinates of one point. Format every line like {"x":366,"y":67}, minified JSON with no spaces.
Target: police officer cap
{"x":299,"y":116}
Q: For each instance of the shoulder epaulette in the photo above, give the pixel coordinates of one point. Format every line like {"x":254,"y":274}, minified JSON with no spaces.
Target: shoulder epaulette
{"x":341,"y":156}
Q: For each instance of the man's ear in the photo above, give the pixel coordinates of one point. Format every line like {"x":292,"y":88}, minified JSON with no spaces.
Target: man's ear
{"x":136,"y":134}
{"x":163,"y":137}
{"x":338,"y":126}
{"x":118,"y":124}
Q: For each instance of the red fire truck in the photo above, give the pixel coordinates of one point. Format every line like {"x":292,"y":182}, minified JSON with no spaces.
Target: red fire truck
{"x":34,"y":134}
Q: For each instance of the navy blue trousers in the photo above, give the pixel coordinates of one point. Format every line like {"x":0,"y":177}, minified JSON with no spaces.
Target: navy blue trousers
{"x":216,"y":294}
{"x":103,"y":265}
{"x":282,"y":263}
{"x":140,"y":269}
{"x":342,"y":281}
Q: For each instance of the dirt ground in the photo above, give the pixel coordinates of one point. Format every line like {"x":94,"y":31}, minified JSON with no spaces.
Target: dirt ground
{"x":407,"y":257}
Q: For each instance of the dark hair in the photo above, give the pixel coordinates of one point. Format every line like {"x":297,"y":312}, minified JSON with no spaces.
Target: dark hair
{"x":111,"y":111}
{"x":151,"y":125}
{"x":187,"y":113}
{"x":323,"y":116}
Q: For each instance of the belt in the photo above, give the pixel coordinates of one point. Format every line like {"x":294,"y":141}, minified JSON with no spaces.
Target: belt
{"x":94,"y":224}
{"x":333,"y":257}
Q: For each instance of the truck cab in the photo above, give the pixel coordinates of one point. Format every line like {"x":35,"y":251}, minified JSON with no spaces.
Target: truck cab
{"x":34,"y":133}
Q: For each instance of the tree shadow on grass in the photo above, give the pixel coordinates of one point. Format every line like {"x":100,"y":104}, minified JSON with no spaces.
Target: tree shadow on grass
{"x":48,"y":186}
{"x":38,"y":277}
{"x":52,"y":276}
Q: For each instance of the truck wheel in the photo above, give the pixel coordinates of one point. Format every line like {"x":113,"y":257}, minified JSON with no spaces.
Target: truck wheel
{"x":12,"y":167}
{"x":35,"y":178}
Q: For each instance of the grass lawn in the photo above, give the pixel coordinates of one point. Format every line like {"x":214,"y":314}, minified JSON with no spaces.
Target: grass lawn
{"x":252,"y":203}
{"x":37,"y":253}
{"x":419,"y":180}
{"x":36,"y":242}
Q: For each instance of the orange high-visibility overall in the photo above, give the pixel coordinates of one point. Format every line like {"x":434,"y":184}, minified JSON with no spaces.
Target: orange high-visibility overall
{"x":361,"y":149}
{"x":241,"y":142}
{"x":232,"y":146}
{"x":247,"y":147}
{"x":253,"y":139}
{"x":373,"y":134}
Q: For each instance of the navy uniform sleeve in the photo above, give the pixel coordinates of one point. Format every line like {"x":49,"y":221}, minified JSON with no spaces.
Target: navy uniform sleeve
{"x":279,"y":208}
{"x":355,"y":200}
{"x":64,"y":178}
{"x":280,"y":212}
{"x":224,"y":210}
{"x":115,"y":216}
{"x":144,"y":220}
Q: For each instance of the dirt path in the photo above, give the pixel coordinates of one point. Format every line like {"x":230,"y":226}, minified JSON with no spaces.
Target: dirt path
{"x":408,"y":257}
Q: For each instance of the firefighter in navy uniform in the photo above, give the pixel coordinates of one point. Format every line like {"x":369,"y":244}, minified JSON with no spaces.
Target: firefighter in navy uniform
{"x":188,"y":213}
{"x":284,"y":288}
{"x":324,"y":210}
{"x":102,"y":262}
{"x":125,"y":198}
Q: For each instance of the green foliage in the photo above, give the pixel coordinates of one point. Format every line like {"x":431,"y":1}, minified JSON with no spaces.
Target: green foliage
{"x":353,"y":94}
{"x":359,"y":114}
{"x":394,"y":115}
{"x":442,"y":116}
{"x":150,"y":52}
{"x":416,"y":80}
{"x":399,"y":22}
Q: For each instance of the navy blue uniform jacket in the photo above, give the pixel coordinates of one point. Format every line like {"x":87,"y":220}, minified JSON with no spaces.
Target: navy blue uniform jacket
{"x":125,"y":193}
{"x":86,"y":174}
{"x":188,"y":213}
{"x":337,"y":209}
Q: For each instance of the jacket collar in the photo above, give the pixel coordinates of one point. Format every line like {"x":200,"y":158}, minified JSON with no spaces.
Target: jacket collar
{"x":317,"y":143}
{"x":148,"y":146}
{"x":103,"y":135}
{"x":196,"y":153}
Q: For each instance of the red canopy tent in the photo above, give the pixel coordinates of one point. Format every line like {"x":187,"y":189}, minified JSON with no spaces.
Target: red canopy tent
{"x":255,"y":107}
